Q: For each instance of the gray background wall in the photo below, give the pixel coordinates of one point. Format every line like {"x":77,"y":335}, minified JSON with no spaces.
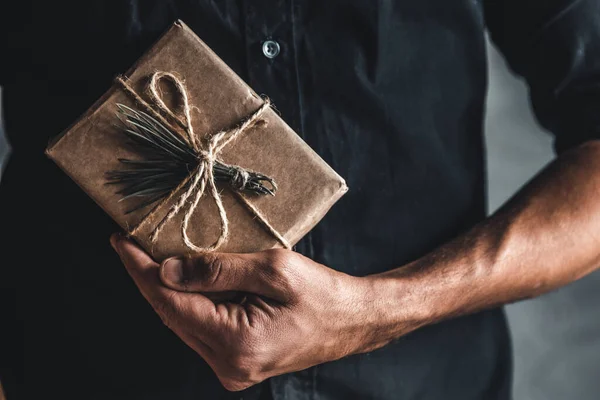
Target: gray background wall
{"x":556,"y":337}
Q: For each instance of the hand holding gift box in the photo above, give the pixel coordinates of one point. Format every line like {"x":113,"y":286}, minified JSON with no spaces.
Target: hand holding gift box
{"x":189,"y":160}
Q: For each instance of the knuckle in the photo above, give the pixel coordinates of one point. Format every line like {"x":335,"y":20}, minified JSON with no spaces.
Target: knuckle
{"x":276,"y":262}
{"x":278,"y":256}
{"x":166,"y":311}
{"x":280,"y":268}
{"x":243,"y":370}
{"x":212,"y":265}
{"x":233,"y":385}
{"x":243,"y":366}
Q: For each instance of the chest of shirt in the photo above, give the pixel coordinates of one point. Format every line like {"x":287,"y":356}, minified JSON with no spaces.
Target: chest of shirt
{"x":358,"y":68}
{"x":331,"y":44}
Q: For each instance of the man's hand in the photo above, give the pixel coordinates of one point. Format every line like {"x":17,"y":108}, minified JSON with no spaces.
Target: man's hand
{"x":297,"y":313}
{"x":294,"y":313}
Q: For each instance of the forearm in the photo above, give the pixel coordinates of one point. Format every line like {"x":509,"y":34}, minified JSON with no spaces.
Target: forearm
{"x":547,"y":236}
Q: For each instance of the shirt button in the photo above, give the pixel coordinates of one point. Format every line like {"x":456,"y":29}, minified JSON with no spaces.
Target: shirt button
{"x":271,"y":49}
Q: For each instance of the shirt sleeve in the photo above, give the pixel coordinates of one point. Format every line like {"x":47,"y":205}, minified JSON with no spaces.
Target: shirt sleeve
{"x":555,"y":46}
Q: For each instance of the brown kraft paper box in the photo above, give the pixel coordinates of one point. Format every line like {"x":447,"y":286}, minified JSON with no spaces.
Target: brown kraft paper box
{"x":307,"y":186}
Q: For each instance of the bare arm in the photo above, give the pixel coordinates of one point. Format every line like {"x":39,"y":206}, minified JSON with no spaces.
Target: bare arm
{"x":547,"y":236}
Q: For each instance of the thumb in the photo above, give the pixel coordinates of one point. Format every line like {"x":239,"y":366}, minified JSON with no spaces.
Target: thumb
{"x":169,"y":304}
{"x":221,"y":272}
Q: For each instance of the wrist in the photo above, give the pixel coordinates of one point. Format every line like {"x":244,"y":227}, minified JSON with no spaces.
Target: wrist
{"x":429,"y":290}
{"x":406,"y":303}
{"x":388,"y":309}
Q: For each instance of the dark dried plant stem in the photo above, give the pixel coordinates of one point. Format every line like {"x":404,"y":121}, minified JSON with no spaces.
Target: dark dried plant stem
{"x":166,"y":160}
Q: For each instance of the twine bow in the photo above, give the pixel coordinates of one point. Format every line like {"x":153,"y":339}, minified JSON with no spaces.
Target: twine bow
{"x":201,"y":179}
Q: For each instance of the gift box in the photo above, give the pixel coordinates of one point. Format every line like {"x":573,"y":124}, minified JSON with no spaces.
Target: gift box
{"x":187,"y":158}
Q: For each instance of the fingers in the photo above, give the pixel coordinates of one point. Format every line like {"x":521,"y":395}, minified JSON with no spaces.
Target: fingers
{"x":171,"y":305}
{"x":142,"y":268}
{"x":219,"y":272}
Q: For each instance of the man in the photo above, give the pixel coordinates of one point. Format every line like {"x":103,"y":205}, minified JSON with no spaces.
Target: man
{"x":394,"y":295}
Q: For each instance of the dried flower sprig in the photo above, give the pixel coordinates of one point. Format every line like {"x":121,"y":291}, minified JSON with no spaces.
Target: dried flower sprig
{"x":167,"y":159}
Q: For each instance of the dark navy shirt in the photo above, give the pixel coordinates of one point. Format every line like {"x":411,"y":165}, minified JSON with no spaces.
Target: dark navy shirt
{"x":390,"y":93}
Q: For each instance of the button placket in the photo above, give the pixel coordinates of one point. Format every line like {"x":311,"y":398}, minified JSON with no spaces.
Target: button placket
{"x":271,"y":61}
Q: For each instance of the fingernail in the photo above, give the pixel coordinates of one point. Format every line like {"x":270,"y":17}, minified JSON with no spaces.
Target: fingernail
{"x":175,"y":272}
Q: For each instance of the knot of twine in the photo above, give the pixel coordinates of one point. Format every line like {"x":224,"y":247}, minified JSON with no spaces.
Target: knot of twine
{"x":240,"y":178}
{"x":201,"y":179}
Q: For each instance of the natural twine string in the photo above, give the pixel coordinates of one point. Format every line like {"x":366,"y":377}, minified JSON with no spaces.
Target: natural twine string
{"x":202,"y":176}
